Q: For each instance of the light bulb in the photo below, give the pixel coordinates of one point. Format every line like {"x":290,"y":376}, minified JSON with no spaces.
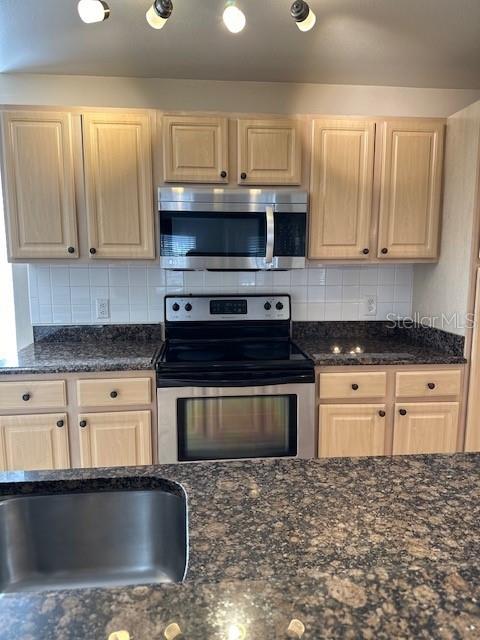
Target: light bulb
{"x":303,"y":15}
{"x":234,"y":18}
{"x":308,"y":23}
{"x":154,"y":20}
{"x":93,"y":10}
{"x":159,"y":13}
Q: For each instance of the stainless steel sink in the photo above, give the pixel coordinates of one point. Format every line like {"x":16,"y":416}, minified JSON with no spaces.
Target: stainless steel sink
{"x":106,"y":538}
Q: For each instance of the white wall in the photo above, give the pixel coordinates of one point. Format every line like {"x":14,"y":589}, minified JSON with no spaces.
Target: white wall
{"x":267,"y":97}
{"x":442,"y":288}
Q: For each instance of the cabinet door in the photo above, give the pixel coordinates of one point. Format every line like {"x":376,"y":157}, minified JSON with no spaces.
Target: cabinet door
{"x":425,"y":427}
{"x":34,"y":442}
{"x":118,"y":185}
{"x":115,"y":439}
{"x":39,"y":190}
{"x":352,"y":430}
{"x":195,"y":149}
{"x":410,"y":189}
{"x":269,"y":152}
{"x":341,"y":189}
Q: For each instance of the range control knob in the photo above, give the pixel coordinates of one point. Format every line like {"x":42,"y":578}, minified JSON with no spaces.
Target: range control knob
{"x":267,"y":306}
{"x":279,"y":306}
{"x":188,"y":307}
{"x":175,"y":306}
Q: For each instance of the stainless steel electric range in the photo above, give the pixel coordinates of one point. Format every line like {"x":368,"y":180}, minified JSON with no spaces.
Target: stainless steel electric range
{"x":231,"y":383}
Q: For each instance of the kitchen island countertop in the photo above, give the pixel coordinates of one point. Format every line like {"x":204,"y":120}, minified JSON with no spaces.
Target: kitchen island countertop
{"x":353,"y":548}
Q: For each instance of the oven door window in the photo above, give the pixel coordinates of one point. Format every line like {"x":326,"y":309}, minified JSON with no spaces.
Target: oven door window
{"x":212,"y":234}
{"x":236,"y":427}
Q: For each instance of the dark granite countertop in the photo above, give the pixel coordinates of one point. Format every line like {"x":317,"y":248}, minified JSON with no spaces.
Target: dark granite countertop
{"x":374,"y":548}
{"x":376,"y":343}
{"x":133,"y":347}
{"x":65,"y":357}
{"x":85,"y":349}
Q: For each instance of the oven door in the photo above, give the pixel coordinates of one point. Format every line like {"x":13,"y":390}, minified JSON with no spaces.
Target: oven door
{"x":227,"y":423}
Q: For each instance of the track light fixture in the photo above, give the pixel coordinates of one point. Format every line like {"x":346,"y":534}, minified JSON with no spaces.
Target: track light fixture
{"x":159,"y":13}
{"x":233,"y":17}
{"x":93,"y":10}
{"x":303,"y":15}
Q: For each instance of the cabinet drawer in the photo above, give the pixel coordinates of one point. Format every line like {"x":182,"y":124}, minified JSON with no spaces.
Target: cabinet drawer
{"x":425,"y":384}
{"x":343,"y":386}
{"x":44,"y":394}
{"x":111,"y":392}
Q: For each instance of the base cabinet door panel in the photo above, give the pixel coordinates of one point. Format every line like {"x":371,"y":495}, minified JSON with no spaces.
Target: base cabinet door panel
{"x":195,"y":149}
{"x":118,"y":185}
{"x":34,"y":442}
{"x":115,"y":439}
{"x":352,"y":430}
{"x":425,"y":427}
{"x":269,"y":152}
{"x":341,"y":189}
{"x":39,"y":184}
{"x":410,"y":190}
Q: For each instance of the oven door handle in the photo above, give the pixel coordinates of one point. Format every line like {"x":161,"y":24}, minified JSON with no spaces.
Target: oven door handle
{"x":298,"y":378}
{"x":270,"y":234}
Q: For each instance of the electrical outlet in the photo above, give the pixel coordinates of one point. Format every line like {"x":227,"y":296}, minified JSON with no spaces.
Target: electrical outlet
{"x":103,"y":308}
{"x":369,"y":306}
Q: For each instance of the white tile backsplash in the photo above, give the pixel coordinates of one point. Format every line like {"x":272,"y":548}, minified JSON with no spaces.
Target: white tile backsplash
{"x":64,"y":295}
{"x":79,"y":277}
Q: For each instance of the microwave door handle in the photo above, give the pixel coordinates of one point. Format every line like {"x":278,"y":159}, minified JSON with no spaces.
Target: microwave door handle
{"x":270,"y":234}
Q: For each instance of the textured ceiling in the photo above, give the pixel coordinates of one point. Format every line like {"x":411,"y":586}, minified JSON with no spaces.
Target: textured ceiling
{"x":418,"y":43}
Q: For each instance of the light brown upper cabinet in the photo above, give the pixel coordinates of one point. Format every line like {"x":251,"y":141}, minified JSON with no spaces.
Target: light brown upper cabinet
{"x":269,"y":152}
{"x":341,"y":188}
{"x":39,"y":188}
{"x":118,"y":185}
{"x":195,"y":149}
{"x":410,"y":188}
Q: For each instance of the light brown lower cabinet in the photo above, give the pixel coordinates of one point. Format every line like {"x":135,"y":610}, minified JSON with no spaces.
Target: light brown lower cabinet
{"x":425,"y":427}
{"x":400,"y":410}
{"x":40,"y":419}
{"x":34,"y":442}
{"x":115,"y":439}
{"x":352,"y":430}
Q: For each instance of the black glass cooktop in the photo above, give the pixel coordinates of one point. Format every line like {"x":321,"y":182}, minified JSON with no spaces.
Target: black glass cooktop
{"x":233,"y":351}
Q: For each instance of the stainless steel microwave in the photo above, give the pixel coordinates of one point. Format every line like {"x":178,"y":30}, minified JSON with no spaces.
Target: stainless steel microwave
{"x":232,"y":228}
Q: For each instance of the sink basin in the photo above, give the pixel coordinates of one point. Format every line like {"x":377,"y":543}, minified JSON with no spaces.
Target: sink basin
{"x":101,"y":539}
